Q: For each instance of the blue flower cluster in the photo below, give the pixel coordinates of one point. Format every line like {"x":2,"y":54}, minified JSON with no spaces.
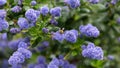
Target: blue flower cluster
{"x":45,"y":30}
{"x":20,"y":55}
{"x":3,"y":23}
{"x":32,"y":15}
{"x":71,"y":36}
{"x":68,"y":35}
{"x":55,"y":12}
{"x":89,"y":30}
{"x":44,"y":10}
{"x":14,"y":30}
{"x":92,"y":52}
{"x":73,"y":3}
{"x":114,"y":2}
{"x":23,"y":23}
{"x":33,"y":3}
{"x":93,"y":1}
{"x":55,"y":63}
{"x":2,"y":2}
{"x":16,"y":9}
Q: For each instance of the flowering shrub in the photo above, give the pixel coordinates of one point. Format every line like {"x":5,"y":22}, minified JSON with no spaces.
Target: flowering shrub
{"x":59,"y":33}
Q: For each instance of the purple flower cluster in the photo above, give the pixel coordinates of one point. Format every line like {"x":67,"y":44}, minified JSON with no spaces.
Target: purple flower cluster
{"x":44,"y":10}
{"x":93,"y":1}
{"x":53,"y":21}
{"x":90,"y":51}
{"x":3,"y":23}
{"x":2,"y":2}
{"x":73,"y":3}
{"x":56,"y":63}
{"x":21,"y":53}
{"x":114,"y":2}
{"x":16,"y":9}
{"x":68,"y":35}
{"x":89,"y":30}
{"x":23,"y":23}
{"x":33,"y":3}
{"x":14,"y":30}
{"x":71,"y":36}
{"x":2,"y":14}
{"x":55,"y":12}
{"x":45,"y":30}
{"x":32,"y":15}
{"x":58,"y":36}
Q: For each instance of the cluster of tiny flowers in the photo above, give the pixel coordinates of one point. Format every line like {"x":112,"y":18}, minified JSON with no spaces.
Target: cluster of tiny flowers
{"x":23,"y":23}
{"x":55,"y":12}
{"x":58,"y":36}
{"x":53,"y":21}
{"x":111,"y":57}
{"x":92,"y":52}
{"x":20,"y":55}
{"x":73,"y":3}
{"x":32,"y":15}
{"x":71,"y":36}
{"x":114,"y":2}
{"x":45,"y":30}
{"x":15,"y":44}
{"x":33,"y":3}
{"x":2,"y":2}
{"x":60,"y":62}
{"x":2,"y":14}
{"x":89,"y":30}
{"x":16,"y":9}
{"x":20,"y":2}
{"x":3,"y":23}
{"x":14,"y":30}
{"x":44,"y":10}
{"x":68,"y":35}
{"x":93,"y":1}
{"x":118,"y":20}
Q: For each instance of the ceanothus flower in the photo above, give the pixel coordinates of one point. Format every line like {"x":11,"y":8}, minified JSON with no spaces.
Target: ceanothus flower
{"x":2,"y":2}
{"x":73,"y":3}
{"x":75,"y":32}
{"x":16,"y":58}
{"x":33,"y":3}
{"x":89,"y":30}
{"x":25,"y":52}
{"x":16,"y":9}
{"x":53,"y":21}
{"x":14,"y":30}
{"x":44,"y":10}
{"x":55,"y":12}
{"x":118,"y":20}
{"x":93,"y":1}
{"x":70,"y":36}
{"x":45,"y":30}
{"x":54,"y":63}
{"x":20,"y":2}
{"x":31,"y":15}
{"x":58,"y":36}
{"x":3,"y":24}
{"x":41,"y":60}
{"x":14,"y":44}
{"x":22,"y":45}
{"x":2,"y":14}
{"x":17,"y":66}
{"x":92,"y":52}
{"x":114,"y":2}
{"x":23,"y":23}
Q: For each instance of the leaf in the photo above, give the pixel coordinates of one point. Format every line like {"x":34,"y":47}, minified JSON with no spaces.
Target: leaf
{"x":36,"y":41}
